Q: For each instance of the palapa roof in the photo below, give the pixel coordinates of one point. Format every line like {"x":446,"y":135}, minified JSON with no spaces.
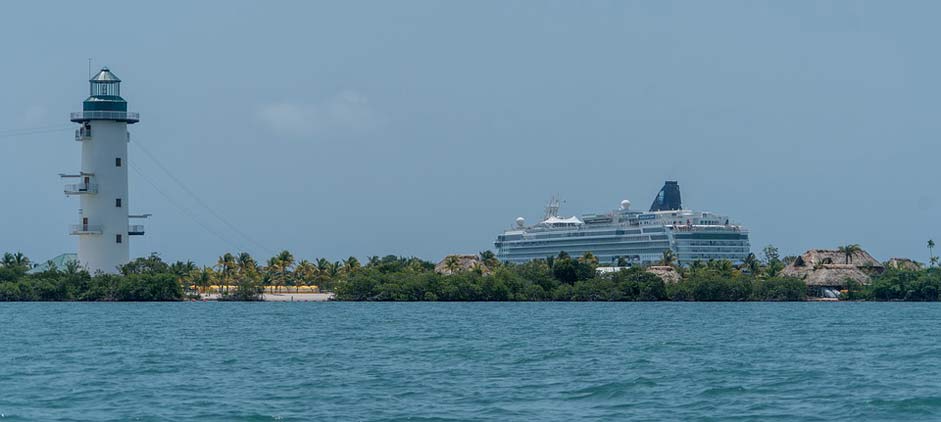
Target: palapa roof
{"x":829,"y":268}
{"x":666,"y":273}
{"x":835,"y":275}
{"x":903,"y":264}
{"x":807,"y":262}
{"x":464,"y":263}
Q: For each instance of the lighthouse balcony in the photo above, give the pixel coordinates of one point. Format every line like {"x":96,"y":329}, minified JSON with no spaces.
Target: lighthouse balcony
{"x":135,"y":230}
{"x":81,"y":189}
{"x":84,"y":229}
{"x":121,"y":116}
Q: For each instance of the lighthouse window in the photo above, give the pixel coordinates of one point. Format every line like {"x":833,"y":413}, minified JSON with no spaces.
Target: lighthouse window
{"x":117,"y":238}
{"x":117,"y":202}
{"x":117,"y":162}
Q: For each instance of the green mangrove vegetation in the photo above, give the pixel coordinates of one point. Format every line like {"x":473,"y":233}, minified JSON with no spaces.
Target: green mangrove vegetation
{"x":393,"y":278}
{"x":134,"y":283}
{"x":563,"y":278}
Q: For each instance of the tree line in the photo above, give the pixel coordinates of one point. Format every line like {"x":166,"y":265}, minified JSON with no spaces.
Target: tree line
{"x":233,"y":277}
{"x":394,"y":278}
{"x":566,"y":278}
{"x":73,"y":283}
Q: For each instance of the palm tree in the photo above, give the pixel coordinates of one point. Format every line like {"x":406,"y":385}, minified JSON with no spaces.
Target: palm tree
{"x":351,"y":265}
{"x":306,"y":273}
{"x":478,"y":268}
{"x":7,"y":260}
{"x":751,"y":262}
{"x":489,"y":259}
{"x":849,"y":250}
{"x":286,"y":259}
{"x":283,"y":262}
{"x":724,"y":266}
{"x":227,"y":266}
{"x":931,"y":258}
{"x":246,"y":263}
{"x":668,"y":258}
{"x":336,"y":269}
{"x":589,"y":258}
{"x":21,"y":260}
{"x":273,"y":272}
{"x":324,"y":271}
{"x":188,"y":281}
{"x":181,"y":269}
{"x":15,"y":260}
{"x":203,"y":279}
{"x":452,"y":263}
{"x":774,"y":268}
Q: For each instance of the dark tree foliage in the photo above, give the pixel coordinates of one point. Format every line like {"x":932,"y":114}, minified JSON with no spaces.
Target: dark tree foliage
{"x":144,"y":279}
{"x":392,"y":278}
{"x":901,"y":285}
{"x":528,"y":282}
{"x":570,"y":271}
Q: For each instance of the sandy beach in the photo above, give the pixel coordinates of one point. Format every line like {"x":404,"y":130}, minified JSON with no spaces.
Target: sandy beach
{"x":284,"y":297}
{"x":297,"y":297}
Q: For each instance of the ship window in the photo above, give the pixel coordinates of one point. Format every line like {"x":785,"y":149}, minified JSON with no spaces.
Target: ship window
{"x":117,"y":162}
{"x":117,"y":238}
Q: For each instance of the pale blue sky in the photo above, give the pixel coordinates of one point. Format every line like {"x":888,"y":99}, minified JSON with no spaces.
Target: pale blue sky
{"x":424,"y":128}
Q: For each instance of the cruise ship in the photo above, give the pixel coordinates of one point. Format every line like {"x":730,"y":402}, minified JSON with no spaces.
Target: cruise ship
{"x":628,"y":237}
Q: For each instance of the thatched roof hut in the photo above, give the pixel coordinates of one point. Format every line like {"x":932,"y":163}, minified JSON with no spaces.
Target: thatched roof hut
{"x":460,"y":263}
{"x":903,"y":264}
{"x":835,"y":275}
{"x":813,"y":259}
{"x":666,"y":273}
{"x":832,"y":268}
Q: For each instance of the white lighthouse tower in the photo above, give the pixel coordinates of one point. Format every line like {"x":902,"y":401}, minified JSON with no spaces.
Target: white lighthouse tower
{"x":103,"y":230}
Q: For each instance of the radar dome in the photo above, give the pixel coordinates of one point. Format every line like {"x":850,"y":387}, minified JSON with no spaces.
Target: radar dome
{"x":625,"y":204}
{"x":520,"y":221}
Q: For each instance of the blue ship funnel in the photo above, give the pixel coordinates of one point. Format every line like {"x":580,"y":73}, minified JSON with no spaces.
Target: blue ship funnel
{"x":668,"y":199}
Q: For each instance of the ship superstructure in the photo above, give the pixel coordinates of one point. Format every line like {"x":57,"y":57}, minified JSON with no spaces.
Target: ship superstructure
{"x":629,"y":236}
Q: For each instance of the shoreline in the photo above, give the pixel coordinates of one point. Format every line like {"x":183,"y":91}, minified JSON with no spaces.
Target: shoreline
{"x":282,"y":297}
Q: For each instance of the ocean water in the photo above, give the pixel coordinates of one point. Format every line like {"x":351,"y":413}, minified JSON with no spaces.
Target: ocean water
{"x":469,"y":361}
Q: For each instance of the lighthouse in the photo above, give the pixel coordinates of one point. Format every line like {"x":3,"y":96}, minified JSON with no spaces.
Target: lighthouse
{"x":103,"y":228}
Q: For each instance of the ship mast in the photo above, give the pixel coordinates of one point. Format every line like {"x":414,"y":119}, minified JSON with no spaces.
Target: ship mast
{"x":552,"y":207}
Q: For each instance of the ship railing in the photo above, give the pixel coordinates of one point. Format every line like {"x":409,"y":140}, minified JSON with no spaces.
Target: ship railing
{"x":719,"y":228}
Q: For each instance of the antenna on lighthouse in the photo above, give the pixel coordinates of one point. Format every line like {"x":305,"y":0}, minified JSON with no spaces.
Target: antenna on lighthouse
{"x":89,"y":68}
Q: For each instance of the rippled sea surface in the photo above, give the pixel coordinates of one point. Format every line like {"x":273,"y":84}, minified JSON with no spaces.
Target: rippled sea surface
{"x":470,"y":361}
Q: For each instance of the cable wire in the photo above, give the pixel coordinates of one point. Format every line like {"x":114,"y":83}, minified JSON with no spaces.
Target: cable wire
{"x":202,"y":203}
{"x":189,"y":213}
{"x":11,"y":133}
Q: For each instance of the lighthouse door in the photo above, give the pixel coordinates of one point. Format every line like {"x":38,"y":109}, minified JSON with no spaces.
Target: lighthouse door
{"x":85,"y":223}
